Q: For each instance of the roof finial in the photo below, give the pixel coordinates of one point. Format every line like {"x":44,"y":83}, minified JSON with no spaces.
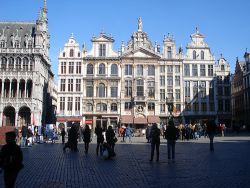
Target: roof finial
{"x":221,"y":55}
{"x":139,"y":24}
{"x":196,"y":28}
{"x":45,"y":4}
{"x":72,"y":35}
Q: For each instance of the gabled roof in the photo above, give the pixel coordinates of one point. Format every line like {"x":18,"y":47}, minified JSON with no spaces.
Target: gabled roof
{"x":102,"y":37}
{"x":141,"y":52}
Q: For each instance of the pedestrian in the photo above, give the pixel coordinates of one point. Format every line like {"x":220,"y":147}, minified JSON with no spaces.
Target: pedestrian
{"x":72,"y":139}
{"x":11,"y":158}
{"x":211,"y":129}
{"x":110,"y":137}
{"x":30,"y":137}
{"x":128,"y":132}
{"x":100,"y":139}
{"x":148,"y":134}
{"x":63,"y":133}
{"x":24,"y":136}
{"x":155,"y":141}
{"x":86,"y":138}
{"x":171,"y":134}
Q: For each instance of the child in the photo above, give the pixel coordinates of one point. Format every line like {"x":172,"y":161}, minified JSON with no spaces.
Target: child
{"x":11,"y":158}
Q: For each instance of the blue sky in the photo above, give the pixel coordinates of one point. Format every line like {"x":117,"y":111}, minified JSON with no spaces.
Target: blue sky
{"x":225,"y":23}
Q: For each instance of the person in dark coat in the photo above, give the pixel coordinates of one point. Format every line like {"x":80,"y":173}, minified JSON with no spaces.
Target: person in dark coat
{"x":155,"y":141}
{"x":72,"y":139}
{"x":24,"y":132}
{"x":100,"y":139}
{"x":86,"y":137}
{"x":171,"y":134}
{"x":148,"y":134}
{"x":211,"y":129}
{"x":63,"y":133}
{"x":11,"y":158}
{"x":110,"y":136}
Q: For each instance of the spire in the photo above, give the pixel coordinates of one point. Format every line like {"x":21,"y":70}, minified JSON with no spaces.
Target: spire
{"x":45,"y":4}
{"x":196,"y":30}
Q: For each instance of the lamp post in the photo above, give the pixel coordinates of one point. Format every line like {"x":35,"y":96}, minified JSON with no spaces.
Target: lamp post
{"x":132,"y":107}
{"x":170,"y":105}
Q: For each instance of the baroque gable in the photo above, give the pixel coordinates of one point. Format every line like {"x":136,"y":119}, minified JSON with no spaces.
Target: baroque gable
{"x":141,"y":53}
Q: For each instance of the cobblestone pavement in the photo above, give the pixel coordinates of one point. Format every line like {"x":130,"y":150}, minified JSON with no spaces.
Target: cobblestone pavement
{"x":46,"y":166}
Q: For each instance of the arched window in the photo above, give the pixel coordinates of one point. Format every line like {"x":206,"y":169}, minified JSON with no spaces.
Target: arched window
{"x":113,"y":107}
{"x":202,"y":54}
{"x":71,"y":53}
{"x":169,"y":52}
{"x":101,"y":90}
{"x":101,"y":107}
{"x":194,"y":54}
{"x":89,"y":107}
{"x":90,"y":69}
{"x":101,"y":68}
{"x":25,"y":64}
{"x":18,"y":63}
{"x":3,"y":63}
{"x":30,"y":44}
{"x":63,"y":54}
{"x":11,"y":63}
{"x":114,"y":69}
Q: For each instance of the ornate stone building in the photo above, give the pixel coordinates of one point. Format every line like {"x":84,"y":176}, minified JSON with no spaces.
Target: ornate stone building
{"x":26,"y":80}
{"x":133,"y":85}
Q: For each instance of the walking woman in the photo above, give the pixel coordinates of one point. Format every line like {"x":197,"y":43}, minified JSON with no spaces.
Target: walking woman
{"x":86,"y":136}
{"x":100,"y":139}
{"x":110,"y":137}
{"x":155,"y":141}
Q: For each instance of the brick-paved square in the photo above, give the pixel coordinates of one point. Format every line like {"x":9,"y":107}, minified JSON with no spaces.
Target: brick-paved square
{"x":229,"y":166}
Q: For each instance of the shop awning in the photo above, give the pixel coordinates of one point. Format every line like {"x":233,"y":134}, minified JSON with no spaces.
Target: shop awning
{"x":153,"y":119}
{"x":127,"y":119}
{"x":140,"y":120}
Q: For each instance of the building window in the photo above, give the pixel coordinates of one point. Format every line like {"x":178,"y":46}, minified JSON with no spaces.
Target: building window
{"x":63,"y":54}
{"x":128,"y":88}
{"x":18,"y":63}
{"x":151,"y":106}
{"x":78,"y":67}
{"x":169,"y":52}
{"x":2,"y":44}
{"x":63,"y":67}
{"x":151,"y":70}
{"x":195,"y":89}
{"x":151,"y":89}
{"x":162,"y":68}
{"x":186,"y":70}
{"x":162,"y":80}
{"x":79,"y":54}
{"x":101,"y":90}
{"x":227,"y":91}
{"x":194,"y":54}
{"x":78,"y":84}
{"x":195,"y":106}
{"x":177,"y":94}
{"x":128,"y":70}
{"x":102,"y":69}
{"x":211,"y":90}
{"x":169,"y":80}
{"x":114,"y":89}
{"x":227,"y":105}
{"x":187,"y":89}
{"x":101,"y":107}
{"x":220,"y":91}
{"x":90,"y":69}
{"x":210,"y":70}
{"x":71,"y":53}
{"x":25,"y":64}
{"x":202,"y":70}
{"x":202,"y":54}
{"x":17,"y":44}
{"x":203,"y":89}
{"x":162,"y":94}
{"x":211,"y":107}
{"x":71,"y":67}
{"x":177,"y":69}
{"x":70,"y":84}
{"x":11,"y":63}
{"x":114,"y":69}
{"x":139,"y":70}
{"x":220,"y":105}
{"x":102,"y":50}
{"x":62,"y":104}
{"x":162,"y":108}
{"x":177,"y":81}
{"x":89,"y":107}
{"x":128,"y":106}
{"x":222,"y":67}
{"x":31,"y":66}
{"x":140,"y":87}
{"x":227,"y":79}
{"x":30,"y":44}
{"x":62,"y":86}
{"x":70,"y":103}
{"x":170,"y":94}
{"x":194,"y":70}
{"x":169,"y":69}
{"x":113,"y":107}
{"x":203,"y":106}
{"x":77,"y":104}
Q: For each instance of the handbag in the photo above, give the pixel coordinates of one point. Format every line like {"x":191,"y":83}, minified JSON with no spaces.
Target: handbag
{"x":115,"y":139}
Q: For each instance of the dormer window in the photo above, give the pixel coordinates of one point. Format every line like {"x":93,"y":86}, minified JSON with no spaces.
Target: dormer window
{"x":71,"y":53}
{"x":169,"y":53}
{"x":30,"y":44}
{"x":63,"y":54}
{"x":222,"y":67}
{"x":79,"y":54}
{"x":102,"y":50}
{"x":2,"y":44}
{"x":17,"y":44}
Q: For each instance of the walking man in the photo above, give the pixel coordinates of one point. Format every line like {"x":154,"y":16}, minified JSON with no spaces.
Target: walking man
{"x":155,"y":141}
{"x":211,"y":129}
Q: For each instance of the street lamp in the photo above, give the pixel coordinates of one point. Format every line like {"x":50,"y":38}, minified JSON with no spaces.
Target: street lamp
{"x":170,"y":105}
{"x":132,"y":107}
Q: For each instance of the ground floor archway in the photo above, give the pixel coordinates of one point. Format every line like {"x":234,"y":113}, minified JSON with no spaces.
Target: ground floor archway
{"x":9,"y":116}
{"x":24,"y":116}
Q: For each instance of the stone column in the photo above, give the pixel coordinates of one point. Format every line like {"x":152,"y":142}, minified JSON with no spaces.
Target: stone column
{"x":2,"y":89}
{"x":25,"y":87}
{"x":17,"y":91}
{"x":16,"y":120}
{"x":1,"y":119}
